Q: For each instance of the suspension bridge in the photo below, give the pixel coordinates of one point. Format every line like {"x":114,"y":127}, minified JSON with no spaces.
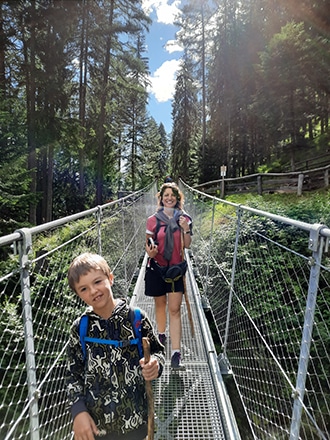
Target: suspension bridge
{"x":258,"y":363}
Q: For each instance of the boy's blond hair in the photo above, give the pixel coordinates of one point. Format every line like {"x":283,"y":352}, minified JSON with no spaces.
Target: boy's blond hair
{"x":84,"y":263}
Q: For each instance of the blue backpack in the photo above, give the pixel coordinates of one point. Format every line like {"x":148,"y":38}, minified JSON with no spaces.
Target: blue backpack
{"x":135,"y":316}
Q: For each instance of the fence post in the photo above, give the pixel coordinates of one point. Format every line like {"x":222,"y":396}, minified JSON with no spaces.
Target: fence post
{"x":25,"y":249}
{"x":223,"y":170}
{"x":316,"y":244}
{"x":326,"y":178}
{"x":300,"y":184}
{"x":259,"y":185}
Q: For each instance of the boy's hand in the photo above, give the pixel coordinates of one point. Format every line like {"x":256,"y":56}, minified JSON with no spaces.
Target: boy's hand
{"x":84,"y":427}
{"x":150,"y":370}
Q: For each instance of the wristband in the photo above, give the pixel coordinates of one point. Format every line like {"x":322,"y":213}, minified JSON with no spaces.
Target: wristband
{"x":187,"y":232}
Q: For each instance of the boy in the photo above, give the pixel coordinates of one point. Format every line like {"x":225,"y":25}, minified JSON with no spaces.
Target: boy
{"x":106,"y":389}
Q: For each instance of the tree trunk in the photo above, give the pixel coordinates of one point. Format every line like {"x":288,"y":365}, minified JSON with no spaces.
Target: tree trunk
{"x":29,"y":55}
{"x":100,"y":155}
{"x":82,"y":91}
{"x":2,"y":58}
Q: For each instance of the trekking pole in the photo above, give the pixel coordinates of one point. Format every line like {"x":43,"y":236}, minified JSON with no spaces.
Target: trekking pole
{"x":185,"y":293}
{"x":150,"y":396}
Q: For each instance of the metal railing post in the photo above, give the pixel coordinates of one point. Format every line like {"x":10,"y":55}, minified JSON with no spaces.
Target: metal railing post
{"x":99,"y":227}
{"x":316,"y":244}
{"x":123,"y":233}
{"x":239,"y":214}
{"x":210,"y":249}
{"x":33,"y":394}
{"x":135,"y":216}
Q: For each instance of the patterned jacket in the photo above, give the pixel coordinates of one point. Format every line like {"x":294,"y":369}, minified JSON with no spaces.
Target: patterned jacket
{"x":109,"y":383}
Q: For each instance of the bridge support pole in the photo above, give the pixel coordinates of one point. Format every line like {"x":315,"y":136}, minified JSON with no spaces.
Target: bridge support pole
{"x":238,"y":228}
{"x":33,"y":393}
{"x":316,"y":244}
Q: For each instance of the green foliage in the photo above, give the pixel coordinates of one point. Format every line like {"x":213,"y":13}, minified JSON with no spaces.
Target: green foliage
{"x":14,"y":195}
{"x":271,"y":283}
{"x":70,"y":108}
{"x":311,"y":207}
{"x":274,"y":166}
{"x":185,"y":160}
{"x":74,"y":125}
{"x":266,"y":82}
{"x":12,"y":333}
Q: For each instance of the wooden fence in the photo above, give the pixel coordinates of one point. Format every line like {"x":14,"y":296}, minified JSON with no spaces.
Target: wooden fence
{"x":292,"y":182}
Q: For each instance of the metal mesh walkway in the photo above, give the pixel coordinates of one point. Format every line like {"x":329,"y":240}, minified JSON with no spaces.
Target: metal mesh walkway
{"x":190,"y":404}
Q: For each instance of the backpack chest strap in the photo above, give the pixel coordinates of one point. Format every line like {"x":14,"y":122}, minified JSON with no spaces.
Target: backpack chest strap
{"x":135,"y":318}
{"x":113,"y":342}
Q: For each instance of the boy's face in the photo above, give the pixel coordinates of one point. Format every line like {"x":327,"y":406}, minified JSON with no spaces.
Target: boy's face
{"x":94,"y":288}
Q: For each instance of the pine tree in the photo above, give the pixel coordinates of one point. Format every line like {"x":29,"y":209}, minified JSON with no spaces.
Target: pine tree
{"x":186,"y":123}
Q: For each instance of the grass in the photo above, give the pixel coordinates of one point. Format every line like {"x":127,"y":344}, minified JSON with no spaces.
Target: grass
{"x":311,"y":207}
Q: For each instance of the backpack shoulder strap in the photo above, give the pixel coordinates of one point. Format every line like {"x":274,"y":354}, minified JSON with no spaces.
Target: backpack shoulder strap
{"x":83,"y":328}
{"x":135,"y":317}
{"x":158,"y":225}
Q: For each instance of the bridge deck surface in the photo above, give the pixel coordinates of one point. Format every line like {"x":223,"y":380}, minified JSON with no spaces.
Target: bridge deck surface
{"x":186,"y":403}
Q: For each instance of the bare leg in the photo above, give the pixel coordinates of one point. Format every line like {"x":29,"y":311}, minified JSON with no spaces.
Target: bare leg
{"x":174,"y":307}
{"x":160,"y":311}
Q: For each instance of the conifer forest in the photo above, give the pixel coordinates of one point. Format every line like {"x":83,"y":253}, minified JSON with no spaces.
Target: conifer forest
{"x":252,"y":92}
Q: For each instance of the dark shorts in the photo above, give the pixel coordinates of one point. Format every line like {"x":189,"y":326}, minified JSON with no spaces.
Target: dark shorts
{"x":156,"y":286}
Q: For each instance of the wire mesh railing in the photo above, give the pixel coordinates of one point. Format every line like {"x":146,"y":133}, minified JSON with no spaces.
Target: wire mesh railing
{"x":37,"y":308}
{"x":266,"y":280}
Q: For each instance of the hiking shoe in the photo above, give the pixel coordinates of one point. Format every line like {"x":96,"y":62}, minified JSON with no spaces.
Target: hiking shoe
{"x":162,"y":338}
{"x":176,"y":361}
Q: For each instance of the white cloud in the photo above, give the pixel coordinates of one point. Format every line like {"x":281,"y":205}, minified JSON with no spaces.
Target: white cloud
{"x":163,"y":81}
{"x":173,"y":46}
{"x":165,"y":13}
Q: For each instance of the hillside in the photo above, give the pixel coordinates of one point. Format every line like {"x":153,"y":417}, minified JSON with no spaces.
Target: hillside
{"x":311,"y":207}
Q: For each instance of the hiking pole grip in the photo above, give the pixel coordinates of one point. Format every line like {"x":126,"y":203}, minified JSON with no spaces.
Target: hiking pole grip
{"x":150,"y":396}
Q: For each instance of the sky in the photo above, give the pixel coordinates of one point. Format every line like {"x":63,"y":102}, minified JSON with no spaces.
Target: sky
{"x":163,"y":53}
